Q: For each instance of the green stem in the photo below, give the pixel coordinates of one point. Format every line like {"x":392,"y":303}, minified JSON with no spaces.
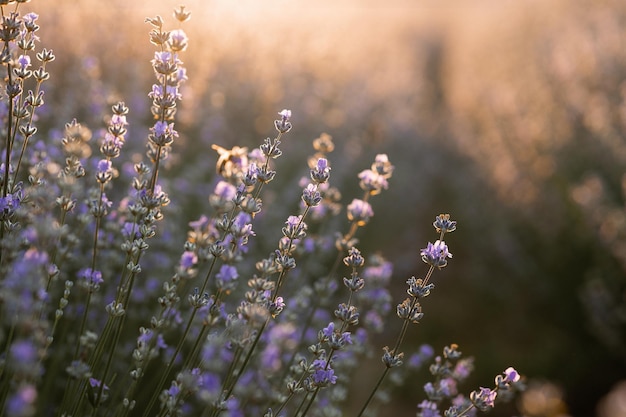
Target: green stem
{"x":373,"y":392}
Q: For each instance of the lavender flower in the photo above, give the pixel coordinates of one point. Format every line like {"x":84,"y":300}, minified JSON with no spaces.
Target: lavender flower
{"x":360,"y":212}
{"x":484,"y":398}
{"x":283,"y":125}
{"x":436,"y":254}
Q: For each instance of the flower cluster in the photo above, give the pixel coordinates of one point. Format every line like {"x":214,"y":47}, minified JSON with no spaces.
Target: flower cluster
{"x":450,"y":370}
{"x":105,"y":310}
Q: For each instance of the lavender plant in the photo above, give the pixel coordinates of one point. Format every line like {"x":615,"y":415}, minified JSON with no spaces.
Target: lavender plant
{"x":87,"y":331}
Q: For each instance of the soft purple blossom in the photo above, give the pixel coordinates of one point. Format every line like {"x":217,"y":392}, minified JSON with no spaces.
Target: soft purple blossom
{"x":329,"y":330}
{"x":436,"y":254}
{"x":163,"y":57}
{"x":462,"y":403}
{"x":174,"y":390}
{"x":271,"y":359}
{"x":321,"y":172}
{"x":283,"y":125}
{"x":93,"y":277}
{"x":23,"y":61}
{"x":188,"y":259}
{"x":379,"y":273}
{"x":311,"y":196}
{"x":181,"y":74}
{"x":277,"y":306}
{"x":428,"y":409}
{"x":104,"y":166}
{"x":447,"y":386}
{"x":24,"y":352}
{"x":227,"y":273}
{"x":425,"y":353}
{"x":359,"y":211}
{"x":323,"y":374}
{"x":170,"y":90}
{"x":30,"y":18}
{"x":372,"y":182}
{"x":511,"y":375}
{"x":199,"y":224}
{"x":22,"y":403}
{"x":9,"y":204}
{"x":295,"y":228}
{"x":285,"y":114}
{"x":463,"y":368}
{"x":119,"y":120}
{"x":113,"y":141}
{"x":382,"y":166}
{"x":95,"y":383}
{"x":483,"y":399}
{"x":178,"y":40}
{"x":130,"y":230}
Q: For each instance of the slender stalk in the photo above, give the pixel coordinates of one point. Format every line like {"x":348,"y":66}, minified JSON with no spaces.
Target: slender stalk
{"x":170,"y":364}
{"x":373,"y":392}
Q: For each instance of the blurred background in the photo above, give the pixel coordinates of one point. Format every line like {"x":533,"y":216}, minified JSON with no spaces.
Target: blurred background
{"x":509,"y":115}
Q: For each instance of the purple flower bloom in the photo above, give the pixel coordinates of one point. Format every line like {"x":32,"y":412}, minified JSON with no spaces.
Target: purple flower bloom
{"x":372,"y":182}
{"x":158,"y":93}
{"x":178,"y":40}
{"x":23,"y":61}
{"x":359,"y":211}
{"x":285,"y":114}
{"x":483,"y":399}
{"x":160,"y":128}
{"x":311,"y":196}
{"x":489,"y":396}
{"x":329,"y":330}
{"x":119,"y":120}
{"x":9,"y":204}
{"x":227,"y":273}
{"x":283,"y":125}
{"x":424,"y":354}
{"x":271,"y":358}
{"x":104,"y":166}
{"x":24,"y":352}
{"x":174,"y":390}
{"x":163,"y":57}
{"x":428,"y":409}
{"x":378,"y":273}
{"x":30,"y":18}
{"x":463,"y":368}
{"x":447,"y":386}
{"x":382,"y":165}
{"x":429,"y":389}
{"x":95,"y":383}
{"x":93,"y":278}
{"x":22,"y":402}
{"x":511,"y":375}
{"x":181,"y":74}
{"x":130,"y":230}
{"x":323,"y":375}
{"x":294,"y":228}
{"x":321,"y":172}
{"x":334,"y":339}
{"x":436,"y":254}
{"x":460,"y":402}
{"x":277,"y":306}
{"x":200,"y":223}
{"x":188,"y":259}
